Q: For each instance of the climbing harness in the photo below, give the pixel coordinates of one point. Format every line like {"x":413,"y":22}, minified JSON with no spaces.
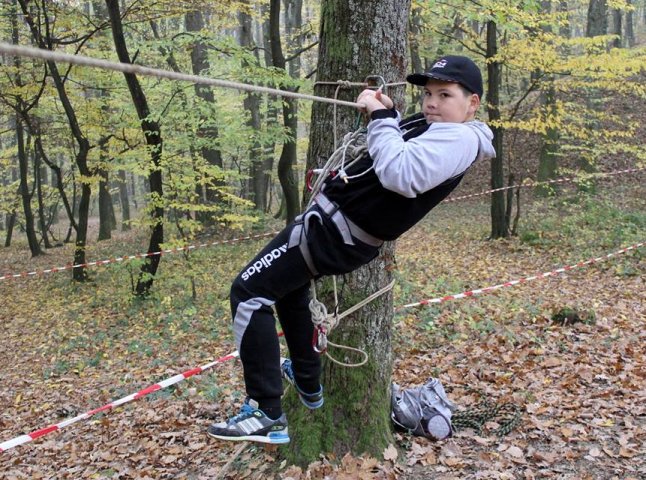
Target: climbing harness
{"x":353,"y":148}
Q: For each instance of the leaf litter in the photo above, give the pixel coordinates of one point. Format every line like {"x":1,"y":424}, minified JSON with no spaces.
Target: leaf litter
{"x":581,"y":386}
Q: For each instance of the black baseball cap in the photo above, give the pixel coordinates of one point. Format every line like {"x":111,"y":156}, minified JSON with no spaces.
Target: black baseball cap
{"x":452,"y":68}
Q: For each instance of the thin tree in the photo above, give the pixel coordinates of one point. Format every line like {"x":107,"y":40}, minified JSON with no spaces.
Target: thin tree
{"x":152,"y":134}
{"x":290,"y":120}
{"x":207,"y":131}
{"x":23,"y":160}
{"x":83,"y":144}
{"x":499,"y":217}
{"x":257,"y":183}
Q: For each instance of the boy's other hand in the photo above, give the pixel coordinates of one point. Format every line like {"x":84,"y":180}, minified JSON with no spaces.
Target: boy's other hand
{"x":374,"y":100}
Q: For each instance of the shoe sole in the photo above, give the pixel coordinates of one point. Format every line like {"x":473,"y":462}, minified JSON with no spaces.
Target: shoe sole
{"x":311,"y":406}
{"x":277,"y":440}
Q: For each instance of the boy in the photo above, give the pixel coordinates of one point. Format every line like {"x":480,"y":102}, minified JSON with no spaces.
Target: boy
{"x":411,"y":167}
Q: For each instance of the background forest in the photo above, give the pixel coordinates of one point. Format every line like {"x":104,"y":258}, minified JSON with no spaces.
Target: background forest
{"x":96,"y":165}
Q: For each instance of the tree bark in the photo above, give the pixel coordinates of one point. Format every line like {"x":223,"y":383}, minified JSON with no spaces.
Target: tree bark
{"x":23,"y":160}
{"x":41,"y":178}
{"x":152,"y":133}
{"x":207,"y":132}
{"x":549,"y":142}
{"x":25,"y":193}
{"x":105,"y":204}
{"x":124,"y":201}
{"x":616,"y":27}
{"x":630,"y":28}
{"x":257,"y":183}
{"x":353,"y":394}
{"x":499,"y":225}
{"x":597,"y":18}
{"x":290,"y":120}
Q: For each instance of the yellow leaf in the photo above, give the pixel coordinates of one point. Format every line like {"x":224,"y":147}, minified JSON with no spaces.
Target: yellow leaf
{"x":390,"y":453}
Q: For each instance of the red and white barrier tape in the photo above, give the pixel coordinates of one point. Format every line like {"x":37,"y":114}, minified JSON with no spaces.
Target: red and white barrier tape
{"x":4,"y":446}
{"x":182,"y":376}
{"x":511,"y":283}
{"x":546,"y":182}
{"x":261,"y":235}
{"x":132,"y":257}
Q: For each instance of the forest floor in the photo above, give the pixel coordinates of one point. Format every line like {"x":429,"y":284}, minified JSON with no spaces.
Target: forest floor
{"x":67,"y":348}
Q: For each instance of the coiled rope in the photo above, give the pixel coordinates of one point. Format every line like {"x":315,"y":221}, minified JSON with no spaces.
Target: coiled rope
{"x":507,"y":415}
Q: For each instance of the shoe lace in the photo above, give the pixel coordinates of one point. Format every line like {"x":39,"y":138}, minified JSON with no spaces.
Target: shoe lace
{"x":245,"y":411}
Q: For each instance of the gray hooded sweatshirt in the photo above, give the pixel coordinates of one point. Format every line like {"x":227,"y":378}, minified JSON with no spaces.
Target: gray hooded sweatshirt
{"x":412,"y":167}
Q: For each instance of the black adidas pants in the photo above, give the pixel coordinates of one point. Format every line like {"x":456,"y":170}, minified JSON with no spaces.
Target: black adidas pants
{"x":279,"y":277}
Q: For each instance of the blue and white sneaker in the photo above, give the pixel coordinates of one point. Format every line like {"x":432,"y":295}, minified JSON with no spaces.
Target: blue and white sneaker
{"x":310,"y":400}
{"x":253,"y":425}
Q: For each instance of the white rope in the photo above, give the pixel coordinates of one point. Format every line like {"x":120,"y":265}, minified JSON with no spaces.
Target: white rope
{"x":48,"y":55}
{"x":327,"y":322}
{"x":353,"y":147}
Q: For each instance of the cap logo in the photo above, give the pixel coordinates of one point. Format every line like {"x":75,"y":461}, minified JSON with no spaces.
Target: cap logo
{"x":440,"y":64}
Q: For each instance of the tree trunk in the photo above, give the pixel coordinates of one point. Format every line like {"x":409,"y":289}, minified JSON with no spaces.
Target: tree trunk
{"x":290,"y":120}
{"x":549,"y":145}
{"x":257,"y":189}
{"x":78,"y":274}
{"x":354,"y":394}
{"x":34,"y":128}
{"x":207,"y":132}
{"x":105,"y":204}
{"x":152,"y":133}
{"x":597,"y":18}
{"x":629,"y":28}
{"x":124,"y":201}
{"x":263,"y":181}
{"x":499,"y":225}
{"x":616,"y":27}
{"x":25,"y":194}
{"x":415,"y":58}
{"x":23,"y":161}
{"x":41,"y":177}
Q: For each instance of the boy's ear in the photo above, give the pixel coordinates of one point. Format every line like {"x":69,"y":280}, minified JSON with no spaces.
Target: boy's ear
{"x":474,"y":103}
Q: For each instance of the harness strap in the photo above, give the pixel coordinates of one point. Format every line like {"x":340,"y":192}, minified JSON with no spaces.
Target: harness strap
{"x":298,"y":236}
{"x":347,"y":228}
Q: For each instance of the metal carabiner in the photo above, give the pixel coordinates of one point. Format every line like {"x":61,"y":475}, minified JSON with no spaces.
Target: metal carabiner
{"x":319,"y":339}
{"x":375,"y":82}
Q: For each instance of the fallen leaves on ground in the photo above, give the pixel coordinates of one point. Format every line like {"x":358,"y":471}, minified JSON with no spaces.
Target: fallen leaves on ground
{"x":70,"y":348}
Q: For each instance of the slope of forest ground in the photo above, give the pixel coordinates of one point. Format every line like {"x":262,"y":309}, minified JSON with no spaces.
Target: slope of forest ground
{"x":67,"y":348}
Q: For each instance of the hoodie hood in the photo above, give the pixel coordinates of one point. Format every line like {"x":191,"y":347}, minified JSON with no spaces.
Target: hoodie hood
{"x":485,"y":136}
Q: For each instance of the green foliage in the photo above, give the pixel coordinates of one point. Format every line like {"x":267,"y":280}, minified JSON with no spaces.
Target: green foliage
{"x":583,"y":219}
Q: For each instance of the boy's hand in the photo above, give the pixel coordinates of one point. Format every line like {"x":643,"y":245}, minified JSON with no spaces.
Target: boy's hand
{"x":374,"y":100}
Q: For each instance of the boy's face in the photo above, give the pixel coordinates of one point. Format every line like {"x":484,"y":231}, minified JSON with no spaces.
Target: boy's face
{"x":448,"y":102}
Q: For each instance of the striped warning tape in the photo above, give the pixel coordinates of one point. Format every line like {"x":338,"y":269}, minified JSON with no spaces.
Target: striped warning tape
{"x":511,"y":283}
{"x":132,"y":257}
{"x":262,"y":235}
{"x":546,"y":182}
{"x":189,"y":373}
{"x":4,"y":446}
